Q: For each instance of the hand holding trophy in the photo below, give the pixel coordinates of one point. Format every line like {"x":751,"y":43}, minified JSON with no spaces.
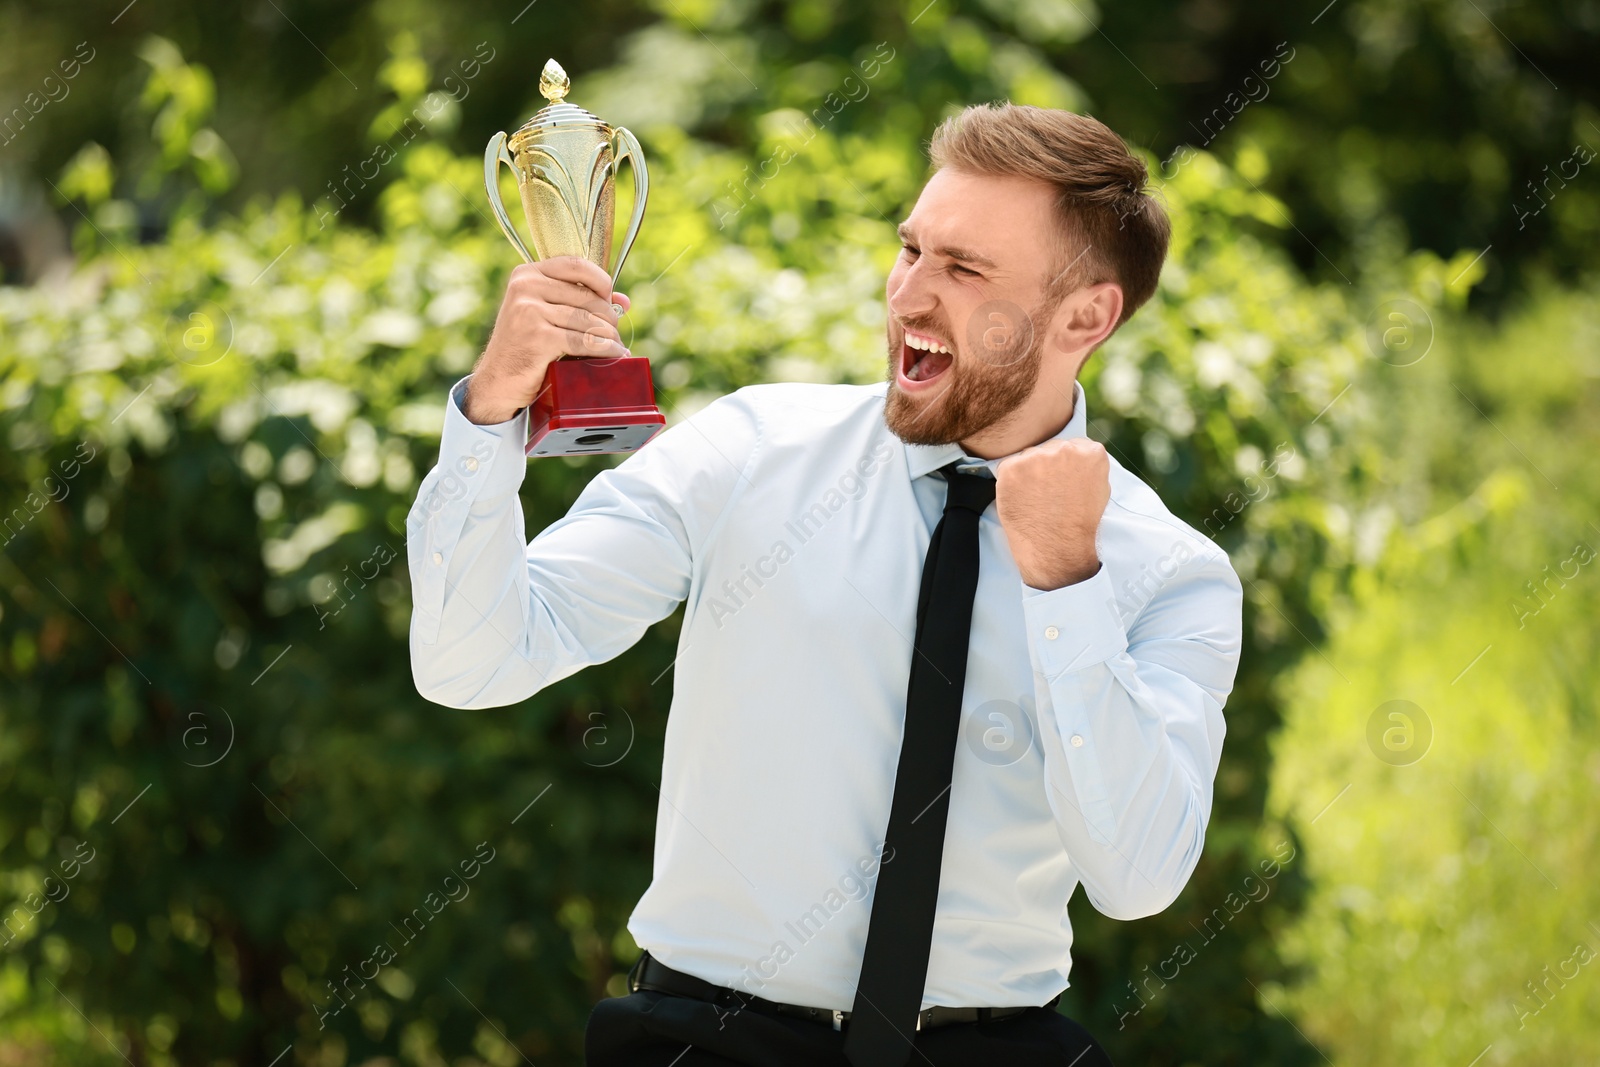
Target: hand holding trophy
{"x":558,"y":316}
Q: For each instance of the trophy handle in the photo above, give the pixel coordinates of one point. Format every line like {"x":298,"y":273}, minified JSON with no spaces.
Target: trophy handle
{"x":629,"y":149}
{"x":493,"y":156}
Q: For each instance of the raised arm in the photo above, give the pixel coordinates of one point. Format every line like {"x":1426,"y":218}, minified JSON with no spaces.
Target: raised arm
{"x":495,"y":618}
{"x":1135,"y":735}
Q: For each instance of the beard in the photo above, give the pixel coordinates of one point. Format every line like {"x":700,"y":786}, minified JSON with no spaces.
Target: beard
{"x":992,"y":373}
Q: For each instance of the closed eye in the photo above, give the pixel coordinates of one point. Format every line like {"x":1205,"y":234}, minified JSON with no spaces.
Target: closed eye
{"x":912,"y":252}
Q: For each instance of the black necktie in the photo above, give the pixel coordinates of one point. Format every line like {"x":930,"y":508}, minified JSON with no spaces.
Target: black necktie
{"x":894,"y":968}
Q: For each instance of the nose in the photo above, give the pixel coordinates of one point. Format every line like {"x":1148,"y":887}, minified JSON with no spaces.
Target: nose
{"x":910,"y":295}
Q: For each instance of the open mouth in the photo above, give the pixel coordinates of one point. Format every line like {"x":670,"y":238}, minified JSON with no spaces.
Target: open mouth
{"x":922,"y":359}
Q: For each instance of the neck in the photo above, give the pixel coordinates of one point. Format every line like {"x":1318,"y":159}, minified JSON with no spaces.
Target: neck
{"x":1040,"y":418}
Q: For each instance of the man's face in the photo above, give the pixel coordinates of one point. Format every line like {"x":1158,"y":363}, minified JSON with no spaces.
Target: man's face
{"x":970,"y":280}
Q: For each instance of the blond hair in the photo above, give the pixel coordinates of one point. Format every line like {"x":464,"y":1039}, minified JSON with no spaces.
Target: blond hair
{"x":1109,"y":227}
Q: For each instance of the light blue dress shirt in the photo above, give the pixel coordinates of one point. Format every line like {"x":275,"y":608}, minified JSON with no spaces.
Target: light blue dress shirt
{"x":793,"y":524}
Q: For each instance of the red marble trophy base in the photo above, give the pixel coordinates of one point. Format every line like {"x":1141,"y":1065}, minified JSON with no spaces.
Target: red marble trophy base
{"x":591,"y":406}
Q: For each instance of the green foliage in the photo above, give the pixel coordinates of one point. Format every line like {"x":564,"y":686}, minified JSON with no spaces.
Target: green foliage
{"x":1454,"y":913}
{"x":1392,"y":124}
{"x":213,"y":439}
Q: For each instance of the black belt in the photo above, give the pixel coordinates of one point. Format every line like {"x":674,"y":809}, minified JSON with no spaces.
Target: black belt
{"x":651,"y":974}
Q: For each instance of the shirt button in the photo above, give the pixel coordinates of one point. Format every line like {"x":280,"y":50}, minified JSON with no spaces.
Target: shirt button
{"x":1051,"y":633}
{"x":438,"y":557}
{"x":1077,"y":740}
{"x":472,"y":464}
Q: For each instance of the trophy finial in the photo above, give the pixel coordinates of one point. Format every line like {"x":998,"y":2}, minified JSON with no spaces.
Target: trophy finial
{"x":553,"y":82}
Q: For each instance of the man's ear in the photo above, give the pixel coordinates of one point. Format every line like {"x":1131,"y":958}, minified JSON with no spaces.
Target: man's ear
{"x":1086,"y":317}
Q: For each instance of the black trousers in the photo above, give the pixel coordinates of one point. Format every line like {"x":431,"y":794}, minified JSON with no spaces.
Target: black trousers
{"x":650,"y":1029}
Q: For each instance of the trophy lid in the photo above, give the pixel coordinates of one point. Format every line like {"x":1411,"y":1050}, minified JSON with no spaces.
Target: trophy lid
{"x":553,"y":86}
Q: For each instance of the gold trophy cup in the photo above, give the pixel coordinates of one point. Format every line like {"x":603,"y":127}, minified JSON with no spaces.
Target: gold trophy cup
{"x":566,"y":162}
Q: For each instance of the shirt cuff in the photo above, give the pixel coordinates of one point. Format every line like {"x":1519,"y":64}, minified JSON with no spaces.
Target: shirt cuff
{"x":1075,"y":626}
{"x":477,"y":465}
{"x":491,"y":459}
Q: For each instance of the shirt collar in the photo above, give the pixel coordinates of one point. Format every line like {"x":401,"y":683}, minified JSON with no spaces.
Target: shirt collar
{"x":924,"y":459}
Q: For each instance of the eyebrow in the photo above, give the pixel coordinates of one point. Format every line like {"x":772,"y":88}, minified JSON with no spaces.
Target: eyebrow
{"x":962,"y":254}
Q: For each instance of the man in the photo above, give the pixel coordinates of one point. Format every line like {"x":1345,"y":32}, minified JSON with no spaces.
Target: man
{"x":942,"y":658}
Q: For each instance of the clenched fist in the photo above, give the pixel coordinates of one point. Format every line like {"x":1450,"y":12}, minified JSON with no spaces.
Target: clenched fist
{"x":556,"y":307}
{"x":1050,"y":499}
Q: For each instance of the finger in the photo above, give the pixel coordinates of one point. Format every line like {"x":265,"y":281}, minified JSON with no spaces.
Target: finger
{"x":582,"y":343}
{"x":556,"y":291}
{"x":600,"y":331}
{"x":532,"y":280}
{"x":1020,"y":454}
{"x":580,"y":271}
{"x":622,"y":301}
{"x":583,"y":320}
